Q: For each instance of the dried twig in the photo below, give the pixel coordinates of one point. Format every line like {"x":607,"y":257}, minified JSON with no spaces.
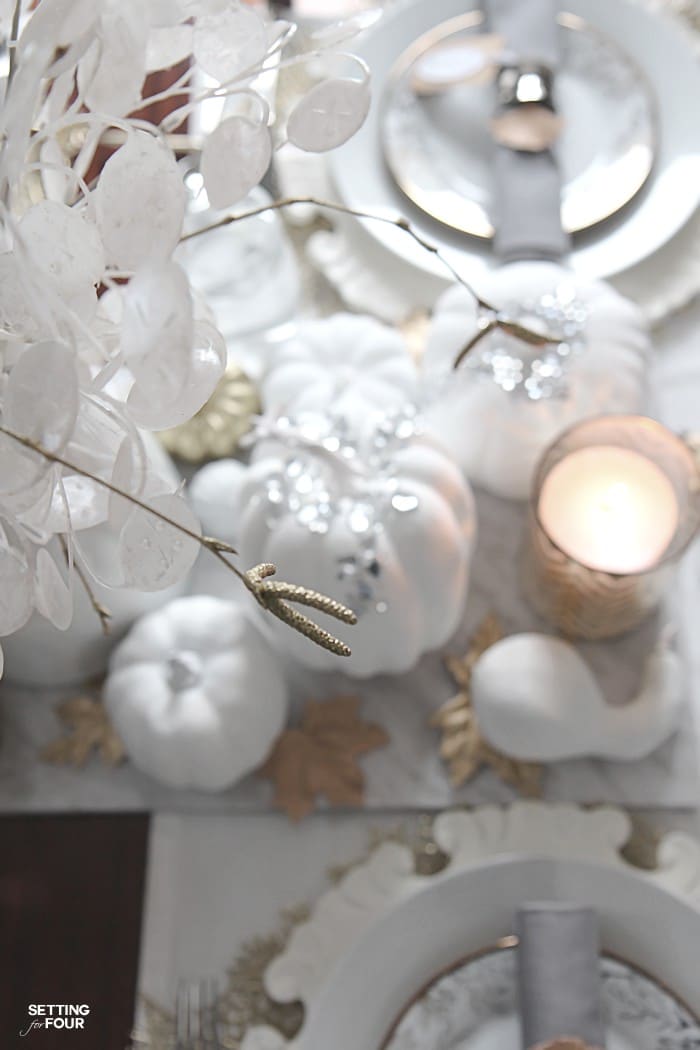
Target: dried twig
{"x":486,"y":326}
{"x":102,"y":612}
{"x":494,"y":319}
{"x":12,"y":44}
{"x":274,"y":597}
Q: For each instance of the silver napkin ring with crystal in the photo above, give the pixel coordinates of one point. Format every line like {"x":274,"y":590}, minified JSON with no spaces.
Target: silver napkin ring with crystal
{"x":526,"y":120}
{"x":525,"y":83}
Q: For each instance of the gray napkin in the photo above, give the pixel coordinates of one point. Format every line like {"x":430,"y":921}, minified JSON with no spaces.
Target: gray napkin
{"x":558,"y":973}
{"x":527,"y":185}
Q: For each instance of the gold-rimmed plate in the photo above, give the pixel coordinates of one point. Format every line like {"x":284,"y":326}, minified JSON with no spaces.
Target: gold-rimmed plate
{"x":361,"y":177}
{"x":449,"y":915}
{"x":438,"y":146}
{"x":472,"y":1005}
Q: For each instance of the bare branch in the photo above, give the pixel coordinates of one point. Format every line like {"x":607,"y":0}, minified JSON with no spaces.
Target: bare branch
{"x":12,"y":44}
{"x":101,"y":610}
{"x":52,"y":457}
{"x":497,"y":321}
{"x":255,"y":580}
{"x":482,"y":331}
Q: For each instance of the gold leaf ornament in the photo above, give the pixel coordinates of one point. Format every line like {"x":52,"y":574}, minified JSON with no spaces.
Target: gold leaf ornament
{"x":463,"y":748}
{"x":88,"y":729}
{"x":320,"y":757}
{"x":216,"y":430}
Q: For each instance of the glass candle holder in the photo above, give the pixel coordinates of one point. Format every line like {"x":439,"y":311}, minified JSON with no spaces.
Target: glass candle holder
{"x":615,"y":502}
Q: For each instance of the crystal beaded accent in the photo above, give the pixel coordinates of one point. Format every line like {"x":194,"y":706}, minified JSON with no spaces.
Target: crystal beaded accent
{"x":333,"y":471}
{"x":535,"y":372}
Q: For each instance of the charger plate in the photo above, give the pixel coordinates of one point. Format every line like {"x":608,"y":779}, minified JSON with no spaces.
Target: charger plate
{"x":379,"y":936}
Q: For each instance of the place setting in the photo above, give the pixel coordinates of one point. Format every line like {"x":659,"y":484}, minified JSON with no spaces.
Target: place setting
{"x":488,"y":927}
{"x":616,"y":62}
{"x":349,"y":503}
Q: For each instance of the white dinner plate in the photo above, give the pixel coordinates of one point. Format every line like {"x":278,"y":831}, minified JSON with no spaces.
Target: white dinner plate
{"x":439,"y":149}
{"x":654,"y":43}
{"x":474,"y":1006}
{"x":455,"y":915}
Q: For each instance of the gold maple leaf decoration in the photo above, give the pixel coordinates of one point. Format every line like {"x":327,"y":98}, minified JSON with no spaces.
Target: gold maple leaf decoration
{"x":320,"y":757}
{"x":88,"y":729}
{"x":463,"y":747}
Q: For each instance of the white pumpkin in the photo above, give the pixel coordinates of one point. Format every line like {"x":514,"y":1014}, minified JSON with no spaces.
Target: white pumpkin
{"x":340,"y":361}
{"x":215,"y":496}
{"x":196,"y":694}
{"x":497,"y":435}
{"x":383,"y":522}
{"x":537,"y":700}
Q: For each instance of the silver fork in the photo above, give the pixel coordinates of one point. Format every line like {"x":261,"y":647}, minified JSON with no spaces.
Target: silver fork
{"x":208,"y":1014}
{"x":196,"y":1023}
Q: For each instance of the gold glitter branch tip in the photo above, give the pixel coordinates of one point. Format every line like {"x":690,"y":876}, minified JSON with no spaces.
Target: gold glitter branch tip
{"x":275,"y":595}
{"x":294,"y":593}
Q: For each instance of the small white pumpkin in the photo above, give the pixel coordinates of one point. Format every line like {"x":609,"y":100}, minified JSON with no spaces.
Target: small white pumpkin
{"x":537,"y":700}
{"x":338,"y":362}
{"x":196,"y":694}
{"x":215,"y":494}
{"x":382,"y":521}
{"x":493,"y":427}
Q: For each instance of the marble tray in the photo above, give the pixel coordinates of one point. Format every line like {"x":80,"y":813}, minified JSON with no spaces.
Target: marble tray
{"x":409,"y":772}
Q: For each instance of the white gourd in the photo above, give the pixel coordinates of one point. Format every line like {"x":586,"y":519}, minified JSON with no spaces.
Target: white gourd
{"x":340,"y":362}
{"x":537,"y":700}
{"x":498,"y":436}
{"x":196,"y":694}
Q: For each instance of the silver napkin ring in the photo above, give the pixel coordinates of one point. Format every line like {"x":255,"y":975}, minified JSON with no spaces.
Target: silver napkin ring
{"x":525,"y":83}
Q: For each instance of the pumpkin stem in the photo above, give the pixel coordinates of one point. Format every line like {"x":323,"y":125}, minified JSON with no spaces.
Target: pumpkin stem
{"x":184,"y":670}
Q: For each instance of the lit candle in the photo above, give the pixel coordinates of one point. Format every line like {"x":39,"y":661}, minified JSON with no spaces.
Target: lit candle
{"x":610,"y":508}
{"x":615,"y":502}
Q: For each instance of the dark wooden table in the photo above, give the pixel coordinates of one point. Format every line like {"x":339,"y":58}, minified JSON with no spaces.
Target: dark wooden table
{"x":71,"y":896}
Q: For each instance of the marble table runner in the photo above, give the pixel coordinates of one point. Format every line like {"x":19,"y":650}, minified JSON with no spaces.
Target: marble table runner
{"x":408,"y":773}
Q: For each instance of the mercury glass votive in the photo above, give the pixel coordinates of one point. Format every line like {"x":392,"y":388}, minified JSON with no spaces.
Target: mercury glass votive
{"x":615,"y":502}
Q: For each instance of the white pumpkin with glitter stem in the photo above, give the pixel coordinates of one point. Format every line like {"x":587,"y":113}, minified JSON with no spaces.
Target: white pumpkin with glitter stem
{"x":536,"y":699}
{"x":507,"y":402}
{"x":340,"y":361}
{"x":196,"y":694}
{"x":383,"y":521}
